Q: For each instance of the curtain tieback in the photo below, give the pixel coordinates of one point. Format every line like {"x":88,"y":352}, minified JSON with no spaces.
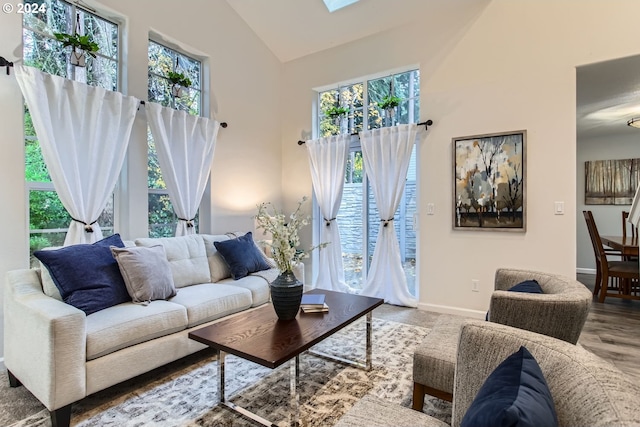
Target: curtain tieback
{"x":327,"y":222}
{"x":188,"y":221}
{"x":386,"y":221}
{"x":87,"y":227}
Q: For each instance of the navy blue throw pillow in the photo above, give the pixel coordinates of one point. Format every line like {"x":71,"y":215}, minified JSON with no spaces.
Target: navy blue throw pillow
{"x":529,"y":286}
{"x":515,"y":394}
{"x":242,"y":256}
{"x":87,"y":276}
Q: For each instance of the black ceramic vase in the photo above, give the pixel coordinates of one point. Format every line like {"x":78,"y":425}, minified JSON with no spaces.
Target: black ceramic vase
{"x":286,"y":293}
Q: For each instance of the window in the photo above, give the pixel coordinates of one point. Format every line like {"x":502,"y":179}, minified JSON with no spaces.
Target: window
{"x":358,"y":217}
{"x":48,"y":219}
{"x":162,"y":60}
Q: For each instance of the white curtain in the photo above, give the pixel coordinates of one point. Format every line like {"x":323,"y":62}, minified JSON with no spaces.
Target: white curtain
{"x":386,"y":153}
{"x":185,"y":144}
{"x":634,"y":212}
{"x":327,"y":160}
{"x":83,"y":133}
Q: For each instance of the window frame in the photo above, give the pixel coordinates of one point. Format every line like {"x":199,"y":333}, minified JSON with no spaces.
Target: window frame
{"x":47,"y":186}
{"x":156,"y":39}
{"x":355,"y":145}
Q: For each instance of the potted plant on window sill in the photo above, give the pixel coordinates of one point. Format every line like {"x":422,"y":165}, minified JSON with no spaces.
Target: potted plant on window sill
{"x":80,"y":47}
{"x":178,"y":82}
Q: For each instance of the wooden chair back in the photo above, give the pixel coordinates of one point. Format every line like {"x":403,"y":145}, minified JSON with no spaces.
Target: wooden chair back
{"x":598,"y":248}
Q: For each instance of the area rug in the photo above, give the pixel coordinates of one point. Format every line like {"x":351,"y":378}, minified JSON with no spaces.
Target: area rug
{"x":187,"y":397}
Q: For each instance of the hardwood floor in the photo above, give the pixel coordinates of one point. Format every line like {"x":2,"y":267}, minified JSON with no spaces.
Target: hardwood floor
{"x":612,"y":331}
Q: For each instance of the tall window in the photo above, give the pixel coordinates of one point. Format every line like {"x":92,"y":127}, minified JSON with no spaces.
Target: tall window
{"x":48,"y":219}
{"x":162,"y":61}
{"x":358,"y":217}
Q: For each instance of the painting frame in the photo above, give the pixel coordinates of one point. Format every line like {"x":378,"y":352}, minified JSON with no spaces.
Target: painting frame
{"x":490,"y":182}
{"x":611,"y":182}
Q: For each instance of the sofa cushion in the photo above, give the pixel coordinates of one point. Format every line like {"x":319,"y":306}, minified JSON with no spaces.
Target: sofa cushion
{"x":217,"y":267}
{"x":210,"y":301}
{"x":256,"y":284}
{"x":86,"y":275}
{"x":242,"y":256}
{"x":187,"y":258}
{"x":514,"y":394}
{"x":146,"y":272}
{"x":128,"y":324}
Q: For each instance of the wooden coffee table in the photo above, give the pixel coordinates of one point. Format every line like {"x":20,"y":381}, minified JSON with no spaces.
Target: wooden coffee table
{"x":260,"y":337}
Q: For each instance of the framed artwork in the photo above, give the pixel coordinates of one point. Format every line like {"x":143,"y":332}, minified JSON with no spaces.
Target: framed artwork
{"x":611,"y":182}
{"x":490,"y":182}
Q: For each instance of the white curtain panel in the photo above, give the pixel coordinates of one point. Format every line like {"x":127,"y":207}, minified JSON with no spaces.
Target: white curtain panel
{"x":328,"y":160}
{"x":386,"y":154}
{"x":634,"y":212}
{"x":185,"y":144}
{"x":83,"y":133}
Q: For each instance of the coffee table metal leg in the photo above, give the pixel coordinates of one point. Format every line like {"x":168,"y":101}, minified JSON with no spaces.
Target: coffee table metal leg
{"x":368,"y":350}
{"x":294,"y":376}
{"x":221,"y":397}
{"x":222,"y":400}
{"x":367,"y":365}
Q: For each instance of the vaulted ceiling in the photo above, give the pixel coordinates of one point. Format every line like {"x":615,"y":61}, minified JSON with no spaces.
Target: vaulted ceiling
{"x":296,"y":28}
{"x":608,"y":93}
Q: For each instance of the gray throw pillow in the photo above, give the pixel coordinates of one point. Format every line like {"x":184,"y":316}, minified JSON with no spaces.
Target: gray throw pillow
{"x":146,"y":272}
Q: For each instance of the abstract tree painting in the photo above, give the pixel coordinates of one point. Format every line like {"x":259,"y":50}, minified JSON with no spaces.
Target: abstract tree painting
{"x":489,"y":182}
{"x":611,"y":182}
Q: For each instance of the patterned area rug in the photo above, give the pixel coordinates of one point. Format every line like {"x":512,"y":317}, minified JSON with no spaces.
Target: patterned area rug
{"x":187,"y":396}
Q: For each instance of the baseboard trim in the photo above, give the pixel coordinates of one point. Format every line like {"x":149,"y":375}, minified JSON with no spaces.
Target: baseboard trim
{"x":446,"y":309}
{"x":586,"y":271}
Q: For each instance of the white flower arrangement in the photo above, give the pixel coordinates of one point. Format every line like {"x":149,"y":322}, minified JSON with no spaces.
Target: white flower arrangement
{"x":284,"y":231}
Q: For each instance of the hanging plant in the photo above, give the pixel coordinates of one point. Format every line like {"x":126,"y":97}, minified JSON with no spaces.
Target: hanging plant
{"x":178,"y":82}
{"x":80,"y":46}
{"x":336,"y":111}
{"x":389,"y":102}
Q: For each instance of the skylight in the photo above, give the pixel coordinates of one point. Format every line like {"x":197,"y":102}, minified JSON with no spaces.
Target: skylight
{"x":334,"y":5}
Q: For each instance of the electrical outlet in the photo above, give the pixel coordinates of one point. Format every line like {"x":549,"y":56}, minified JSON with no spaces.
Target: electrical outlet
{"x":474,"y":285}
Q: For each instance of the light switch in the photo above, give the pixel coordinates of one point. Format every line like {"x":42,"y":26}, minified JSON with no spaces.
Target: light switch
{"x":431,"y":209}
{"x":559,"y":209}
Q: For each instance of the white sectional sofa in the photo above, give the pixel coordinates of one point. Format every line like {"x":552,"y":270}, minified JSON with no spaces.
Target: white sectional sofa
{"x":60,"y":354}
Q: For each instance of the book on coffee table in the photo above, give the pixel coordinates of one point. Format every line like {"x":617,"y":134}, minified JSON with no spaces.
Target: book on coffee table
{"x":321,"y":309}
{"x":312,"y":301}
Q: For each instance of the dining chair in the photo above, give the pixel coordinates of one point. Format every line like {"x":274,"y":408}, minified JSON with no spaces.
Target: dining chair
{"x":626,"y":224}
{"x":626,"y":272}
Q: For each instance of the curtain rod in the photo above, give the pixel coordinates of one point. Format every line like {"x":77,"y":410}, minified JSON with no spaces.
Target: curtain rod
{"x":426,"y":125}
{"x":5,"y":63}
{"x":222,"y":124}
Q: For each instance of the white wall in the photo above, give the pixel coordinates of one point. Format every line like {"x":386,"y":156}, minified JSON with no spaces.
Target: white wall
{"x":244,"y":78}
{"x":512,"y":67}
{"x":608,"y":217}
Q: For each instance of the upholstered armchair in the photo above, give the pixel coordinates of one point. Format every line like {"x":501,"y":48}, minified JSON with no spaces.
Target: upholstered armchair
{"x":559,"y":312}
{"x":586,"y":390}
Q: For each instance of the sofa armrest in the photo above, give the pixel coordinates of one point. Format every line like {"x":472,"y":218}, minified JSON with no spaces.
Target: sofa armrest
{"x":44,"y":341}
